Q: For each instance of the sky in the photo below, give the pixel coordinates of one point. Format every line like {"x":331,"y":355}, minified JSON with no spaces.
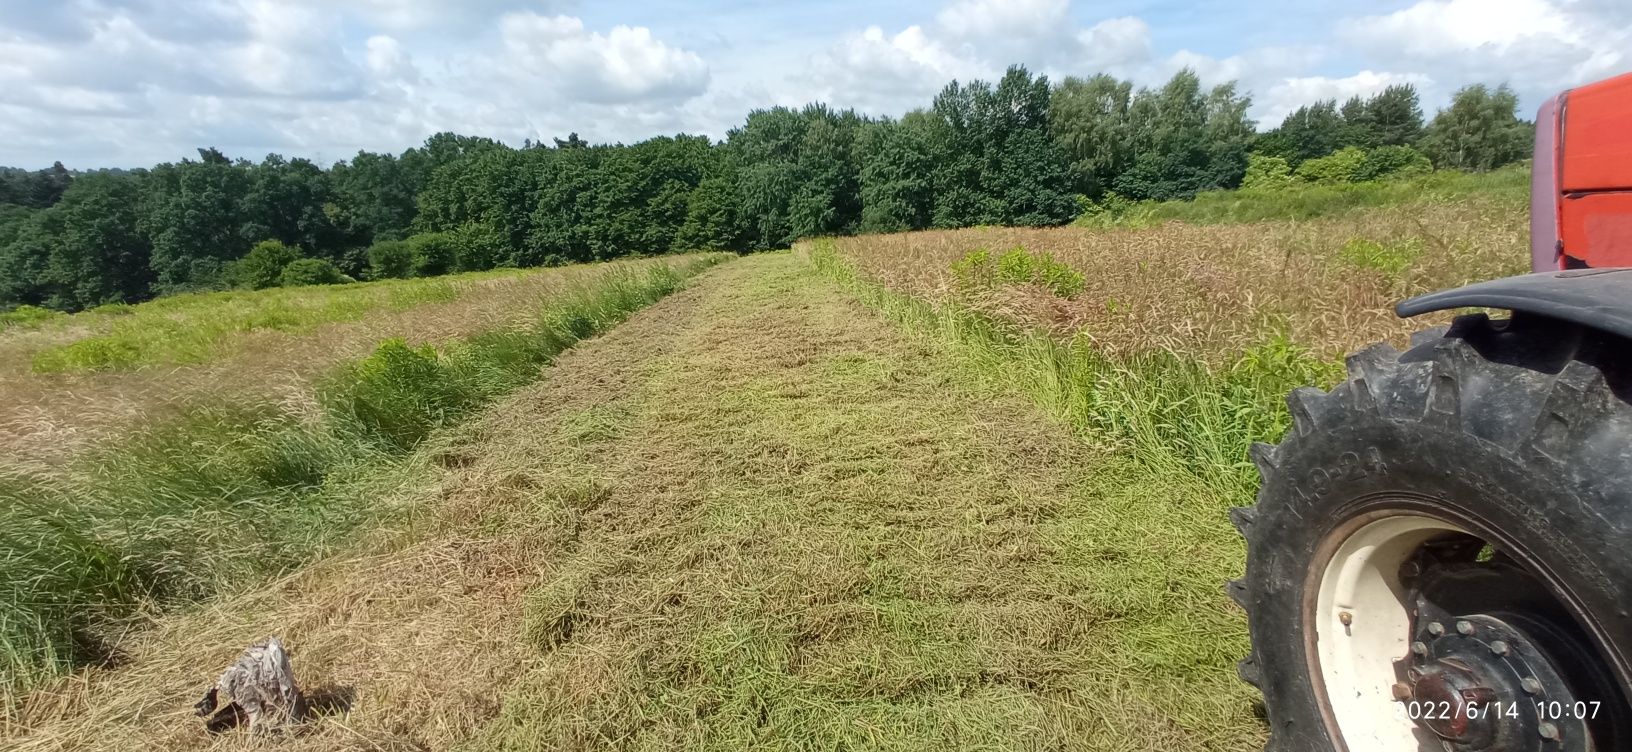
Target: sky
{"x":129,"y":83}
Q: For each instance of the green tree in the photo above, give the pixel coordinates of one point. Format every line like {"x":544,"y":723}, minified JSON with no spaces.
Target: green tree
{"x":713,"y":216}
{"x":1089,"y":121}
{"x":374,"y":198}
{"x":998,"y":163}
{"x":262,"y":266}
{"x":1394,"y":116}
{"x":799,"y":173}
{"x":1479,"y":131}
{"x":192,"y":213}
{"x":291,"y":201}
{"x":897,"y":169}
{"x":563,"y":204}
{"x":1186,"y":140}
{"x":1311,"y":131}
{"x":312,"y":271}
{"x":98,"y":255}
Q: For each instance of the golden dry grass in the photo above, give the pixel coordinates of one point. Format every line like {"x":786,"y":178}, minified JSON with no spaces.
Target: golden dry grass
{"x":47,"y":417}
{"x":1212,"y":291}
{"x":754,"y":515}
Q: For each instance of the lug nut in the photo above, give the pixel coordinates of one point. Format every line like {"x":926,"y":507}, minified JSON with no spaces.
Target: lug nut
{"x":1413,"y":674}
{"x":1420,"y":648}
{"x":1547,"y":730}
{"x":1464,"y":627}
{"x":1435,"y":628}
{"x":1530,"y":685}
{"x":1498,"y":647}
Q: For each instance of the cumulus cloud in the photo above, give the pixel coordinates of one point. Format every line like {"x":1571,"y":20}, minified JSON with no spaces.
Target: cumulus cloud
{"x":625,"y":65}
{"x":129,"y":82}
{"x":1537,"y":45}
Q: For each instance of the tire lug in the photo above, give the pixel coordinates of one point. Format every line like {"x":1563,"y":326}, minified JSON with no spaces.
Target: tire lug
{"x":1499,"y":647}
{"x":1547,"y":730}
{"x":1420,"y":648}
{"x":1530,"y":685}
{"x":1464,"y":627}
{"x":1435,"y":628}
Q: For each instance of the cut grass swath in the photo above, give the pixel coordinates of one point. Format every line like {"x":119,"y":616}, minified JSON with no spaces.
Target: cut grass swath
{"x":227,"y":495}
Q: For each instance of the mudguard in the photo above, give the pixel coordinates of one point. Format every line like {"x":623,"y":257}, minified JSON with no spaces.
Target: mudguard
{"x":1597,"y":298}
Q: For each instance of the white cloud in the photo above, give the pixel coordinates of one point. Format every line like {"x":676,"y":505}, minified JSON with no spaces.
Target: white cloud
{"x":1009,"y":19}
{"x":1539,"y":46}
{"x":129,"y":82}
{"x":625,"y":65}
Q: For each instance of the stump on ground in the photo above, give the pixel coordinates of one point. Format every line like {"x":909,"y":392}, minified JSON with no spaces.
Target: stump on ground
{"x":258,"y":688}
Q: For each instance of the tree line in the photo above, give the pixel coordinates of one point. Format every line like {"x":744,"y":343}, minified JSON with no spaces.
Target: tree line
{"x":1020,"y":151}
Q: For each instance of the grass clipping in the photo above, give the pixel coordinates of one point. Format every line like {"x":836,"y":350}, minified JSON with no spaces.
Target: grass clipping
{"x":227,"y":495}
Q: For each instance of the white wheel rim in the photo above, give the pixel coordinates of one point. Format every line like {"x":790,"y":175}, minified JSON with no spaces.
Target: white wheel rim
{"x":1355,"y":661}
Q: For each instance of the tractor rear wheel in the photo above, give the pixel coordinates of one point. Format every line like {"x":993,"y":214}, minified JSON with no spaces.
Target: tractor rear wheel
{"x":1439,"y":557}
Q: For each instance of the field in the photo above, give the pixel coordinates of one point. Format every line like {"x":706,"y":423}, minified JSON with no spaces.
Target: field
{"x":940,"y":490}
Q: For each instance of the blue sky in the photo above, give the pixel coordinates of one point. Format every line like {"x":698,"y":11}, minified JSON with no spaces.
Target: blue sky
{"x":134,"y":82}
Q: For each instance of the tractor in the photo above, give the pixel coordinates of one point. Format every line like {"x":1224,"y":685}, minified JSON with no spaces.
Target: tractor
{"x":1440,"y":556}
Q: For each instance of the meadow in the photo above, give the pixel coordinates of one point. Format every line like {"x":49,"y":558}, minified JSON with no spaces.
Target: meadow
{"x":232,"y":483}
{"x":931,"y":490}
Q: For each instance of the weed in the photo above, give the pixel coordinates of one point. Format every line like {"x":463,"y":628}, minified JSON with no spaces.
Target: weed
{"x":1017,"y":266}
{"x":1391,"y":259}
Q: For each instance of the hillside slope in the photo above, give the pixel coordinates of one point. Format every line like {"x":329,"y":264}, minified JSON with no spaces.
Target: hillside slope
{"x":757,"y":513}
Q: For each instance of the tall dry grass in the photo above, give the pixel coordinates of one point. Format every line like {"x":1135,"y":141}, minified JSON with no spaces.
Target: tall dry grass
{"x":1211,"y":292}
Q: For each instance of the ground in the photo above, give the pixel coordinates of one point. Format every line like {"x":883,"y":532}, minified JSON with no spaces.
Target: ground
{"x":758,"y":514}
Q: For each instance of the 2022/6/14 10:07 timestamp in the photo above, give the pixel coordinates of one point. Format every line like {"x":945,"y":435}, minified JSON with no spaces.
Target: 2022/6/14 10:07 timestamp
{"x":1546,"y":711}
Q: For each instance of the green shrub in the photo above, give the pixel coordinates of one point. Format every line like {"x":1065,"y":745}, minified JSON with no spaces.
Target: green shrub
{"x":434,"y":253}
{"x":390,"y":259}
{"x":1266,"y":172}
{"x":479,"y":248}
{"x":310,"y":271}
{"x":1393,"y":162}
{"x":1391,"y":258}
{"x":1115,"y":210}
{"x":1016,"y":267}
{"x":396,"y":395}
{"x":1338,"y":167}
{"x":263,"y":266}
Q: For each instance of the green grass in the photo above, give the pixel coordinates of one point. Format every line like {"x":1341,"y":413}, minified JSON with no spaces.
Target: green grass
{"x":1175,"y":414}
{"x":822,"y":532}
{"x":1300,"y":201}
{"x":27,"y":316}
{"x":199,"y":327}
{"x":227,"y":495}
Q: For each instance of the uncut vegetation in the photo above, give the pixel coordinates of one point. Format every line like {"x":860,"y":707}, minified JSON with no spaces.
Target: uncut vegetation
{"x":76,"y":379}
{"x":1020,"y":151}
{"x":229,"y":492}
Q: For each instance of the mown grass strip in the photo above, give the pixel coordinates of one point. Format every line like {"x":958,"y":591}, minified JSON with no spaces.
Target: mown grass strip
{"x":228,"y":495}
{"x":1175,"y":414}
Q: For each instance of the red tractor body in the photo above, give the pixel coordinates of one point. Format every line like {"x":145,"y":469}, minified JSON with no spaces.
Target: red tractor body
{"x":1581,"y":200}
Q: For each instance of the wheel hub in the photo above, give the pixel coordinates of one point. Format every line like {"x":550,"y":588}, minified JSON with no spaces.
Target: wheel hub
{"x":1479,"y":684}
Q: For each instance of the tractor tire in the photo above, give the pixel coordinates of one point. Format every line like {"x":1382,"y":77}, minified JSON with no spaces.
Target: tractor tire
{"x":1449,"y":525}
